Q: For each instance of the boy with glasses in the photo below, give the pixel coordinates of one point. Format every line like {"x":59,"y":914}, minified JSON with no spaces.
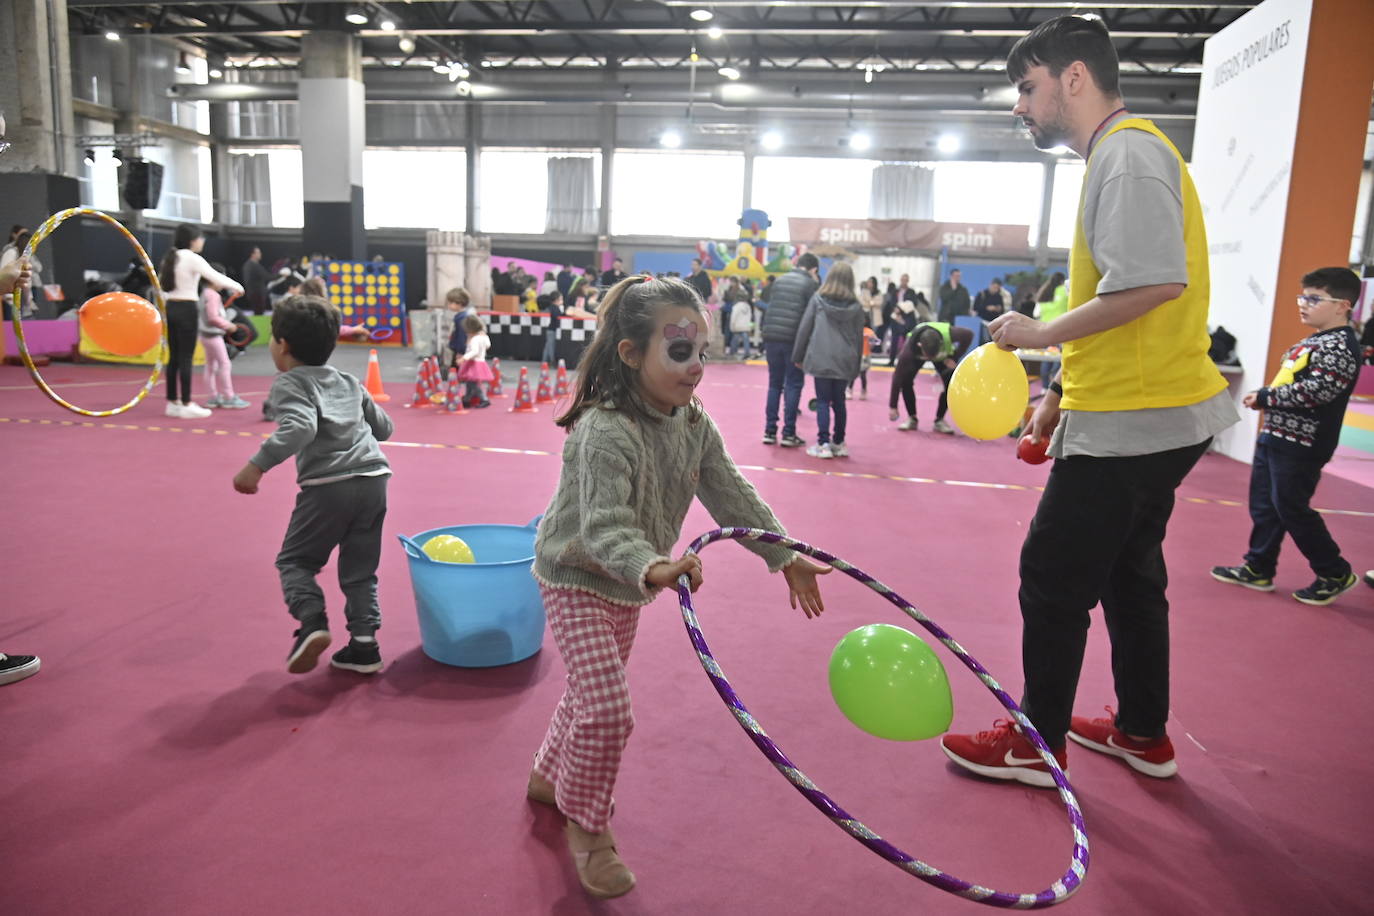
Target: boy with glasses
{"x":1304,"y":408}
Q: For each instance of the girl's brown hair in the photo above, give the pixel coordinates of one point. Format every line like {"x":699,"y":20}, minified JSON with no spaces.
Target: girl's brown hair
{"x":627,"y":313}
{"x":473,"y":325}
{"x":839,"y":284}
{"x":314,"y":287}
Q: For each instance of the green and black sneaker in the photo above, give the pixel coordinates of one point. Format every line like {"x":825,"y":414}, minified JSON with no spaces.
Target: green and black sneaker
{"x":1243,"y":575}
{"x":1324,"y":590}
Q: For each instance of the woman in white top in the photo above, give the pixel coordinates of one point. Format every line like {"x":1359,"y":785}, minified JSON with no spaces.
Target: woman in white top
{"x":180,"y":274}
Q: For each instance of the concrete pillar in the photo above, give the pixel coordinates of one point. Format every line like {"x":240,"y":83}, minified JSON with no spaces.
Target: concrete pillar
{"x":1042,"y":240}
{"x":36,"y":173}
{"x":333,"y":129}
{"x":474,"y":167}
{"x":608,"y":116}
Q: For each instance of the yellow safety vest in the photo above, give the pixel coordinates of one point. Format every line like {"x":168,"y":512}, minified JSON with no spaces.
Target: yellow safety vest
{"x":1159,"y":359}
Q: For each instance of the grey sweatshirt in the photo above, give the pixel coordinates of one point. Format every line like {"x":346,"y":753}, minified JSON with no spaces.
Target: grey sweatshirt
{"x":329,"y":422}
{"x":830,"y":341}
{"x":624,"y":491}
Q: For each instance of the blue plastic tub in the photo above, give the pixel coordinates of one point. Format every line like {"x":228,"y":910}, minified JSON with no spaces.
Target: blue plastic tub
{"x":482,"y":614}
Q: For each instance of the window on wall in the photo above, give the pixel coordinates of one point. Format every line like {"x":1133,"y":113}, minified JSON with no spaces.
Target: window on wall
{"x":415,"y":189}
{"x":990,"y":192}
{"x":696,"y":195}
{"x":1068,"y":183}
{"x":515,"y":187}
{"x":282,"y":201}
{"x":787,"y":186}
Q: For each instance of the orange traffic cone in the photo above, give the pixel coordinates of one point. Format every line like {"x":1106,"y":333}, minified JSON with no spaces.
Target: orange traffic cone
{"x":435,"y":377}
{"x":421,"y":398}
{"x":544,"y":394}
{"x":455,"y":398}
{"x":560,"y":387}
{"x":494,"y":389}
{"x":523,"y":402}
{"x":374,"y":378}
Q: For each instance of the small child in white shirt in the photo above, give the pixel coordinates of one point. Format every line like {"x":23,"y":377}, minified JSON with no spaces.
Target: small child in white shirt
{"x":472,"y":366}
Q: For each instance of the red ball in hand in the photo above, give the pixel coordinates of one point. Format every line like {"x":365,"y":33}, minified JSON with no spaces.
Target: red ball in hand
{"x":1031,"y":453}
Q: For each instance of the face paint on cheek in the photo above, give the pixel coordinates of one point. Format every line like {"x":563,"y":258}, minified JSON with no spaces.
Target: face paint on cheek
{"x":680,"y":347}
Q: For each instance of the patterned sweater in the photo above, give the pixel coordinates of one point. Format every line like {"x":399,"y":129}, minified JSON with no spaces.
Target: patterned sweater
{"x":1304,"y":406}
{"x":624,"y":490}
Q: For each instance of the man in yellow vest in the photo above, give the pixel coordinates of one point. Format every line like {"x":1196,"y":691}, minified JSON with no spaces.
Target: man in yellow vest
{"x":1135,"y":405}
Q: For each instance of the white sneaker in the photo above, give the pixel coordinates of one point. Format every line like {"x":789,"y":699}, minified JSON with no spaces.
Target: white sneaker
{"x":820,"y":451}
{"x":839,"y":450}
{"x":194,"y":412}
{"x":175,"y":411}
{"x":942,"y":427}
{"x":909,"y":424}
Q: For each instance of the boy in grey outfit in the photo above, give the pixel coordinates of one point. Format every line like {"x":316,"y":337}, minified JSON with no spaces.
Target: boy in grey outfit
{"x":331,"y":424}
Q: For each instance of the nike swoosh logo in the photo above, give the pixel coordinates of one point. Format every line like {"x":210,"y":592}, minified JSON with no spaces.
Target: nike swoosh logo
{"x":1111,"y":742}
{"x":1012,"y":760}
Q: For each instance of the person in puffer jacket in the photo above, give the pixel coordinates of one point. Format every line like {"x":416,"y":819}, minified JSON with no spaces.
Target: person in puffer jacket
{"x":787,"y":301}
{"x":829,"y":348}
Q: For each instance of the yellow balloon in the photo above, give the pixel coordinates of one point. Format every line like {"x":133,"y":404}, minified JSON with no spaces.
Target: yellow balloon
{"x":989,"y":392}
{"x":448,"y":549}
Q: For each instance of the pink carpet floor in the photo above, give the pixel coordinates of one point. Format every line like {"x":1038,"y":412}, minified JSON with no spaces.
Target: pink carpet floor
{"x":163,"y":761}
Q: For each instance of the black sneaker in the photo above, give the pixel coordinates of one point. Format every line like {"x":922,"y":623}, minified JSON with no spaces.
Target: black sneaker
{"x":1325,"y":591}
{"x":770,"y":438}
{"x":17,"y":667}
{"x":791,"y":441}
{"x":362,"y":657}
{"x":1243,"y":575}
{"x":311,"y":640}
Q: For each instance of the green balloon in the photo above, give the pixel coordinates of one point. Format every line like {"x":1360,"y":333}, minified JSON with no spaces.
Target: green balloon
{"x":889,"y":682}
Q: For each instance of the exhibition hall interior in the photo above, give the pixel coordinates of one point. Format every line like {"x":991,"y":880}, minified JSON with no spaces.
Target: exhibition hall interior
{"x":376,"y":375}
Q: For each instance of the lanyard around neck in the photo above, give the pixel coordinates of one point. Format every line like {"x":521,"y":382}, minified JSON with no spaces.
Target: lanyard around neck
{"x":1092,"y":141}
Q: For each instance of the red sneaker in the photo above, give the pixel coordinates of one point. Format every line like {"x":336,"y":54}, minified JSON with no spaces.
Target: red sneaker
{"x":1153,"y":758}
{"x":1003,"y":753}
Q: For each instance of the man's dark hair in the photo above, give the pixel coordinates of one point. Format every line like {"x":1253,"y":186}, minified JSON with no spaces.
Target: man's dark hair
{"x":1057,"y":43}
{"x":808,"y":261}
{"x":1339,"y":283}
{"x":309,"y":326}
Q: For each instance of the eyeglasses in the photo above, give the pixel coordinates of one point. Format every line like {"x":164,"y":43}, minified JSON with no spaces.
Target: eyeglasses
{"x":1313,"y":300}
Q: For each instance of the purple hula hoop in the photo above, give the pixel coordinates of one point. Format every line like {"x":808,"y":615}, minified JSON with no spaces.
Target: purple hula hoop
{"x":1057,"y":892}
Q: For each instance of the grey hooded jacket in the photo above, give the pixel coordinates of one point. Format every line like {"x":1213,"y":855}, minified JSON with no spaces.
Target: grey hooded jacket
{"x":830,"y":339}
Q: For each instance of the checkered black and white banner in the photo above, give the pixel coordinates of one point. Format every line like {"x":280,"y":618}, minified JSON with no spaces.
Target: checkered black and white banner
{"x":578,"y":330}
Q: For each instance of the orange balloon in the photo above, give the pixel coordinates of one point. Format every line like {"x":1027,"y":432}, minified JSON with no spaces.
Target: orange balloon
{"x":121,"y":323}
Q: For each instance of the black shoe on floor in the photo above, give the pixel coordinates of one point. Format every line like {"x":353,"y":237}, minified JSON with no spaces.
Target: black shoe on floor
{"x":17,"y":667}
{"x":791,"y":441}
{"x":1243,"y":575}
{"x":1325,"y":590}
{"x":362,"y":657}
{"x":311,"y":640}
{"x":770,"y":439}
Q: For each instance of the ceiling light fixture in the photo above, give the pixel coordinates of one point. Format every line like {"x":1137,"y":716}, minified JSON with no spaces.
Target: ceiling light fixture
{"x":464,"y":87}
{"x":387,"y":25}
{"x":948,"y":143}
{"x":183,"y":62}
{"x":90,"y":156}
{"x":771,"y":140}
{"x":406,"y":44}
{"x":112,"y":35}
{"x":860,"y":141}
{"x":730,"y":73}
{"x":702,"y":15}
{"x":118,"y":157}
{"x":441,"y":66}
{"x":715,"y":31}
{"x":670,"y":139}
{"x":356,"y":16}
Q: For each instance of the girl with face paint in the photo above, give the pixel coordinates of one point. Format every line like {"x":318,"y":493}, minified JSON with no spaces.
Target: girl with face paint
{"x":640,"y":448}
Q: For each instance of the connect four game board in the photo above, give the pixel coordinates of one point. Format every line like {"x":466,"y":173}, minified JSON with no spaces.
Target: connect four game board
{"x":369,"y":293}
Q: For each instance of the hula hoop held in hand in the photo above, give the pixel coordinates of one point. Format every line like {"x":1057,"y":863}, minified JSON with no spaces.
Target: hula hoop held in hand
{"x":1057,"y":892}
{"x":49,"y":225}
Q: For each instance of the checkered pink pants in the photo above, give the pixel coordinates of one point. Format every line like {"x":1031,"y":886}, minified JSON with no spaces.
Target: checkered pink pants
{"x":593,"y":721}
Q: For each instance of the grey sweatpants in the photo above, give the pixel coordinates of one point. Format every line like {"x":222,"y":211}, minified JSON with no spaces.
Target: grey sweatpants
{"x":347,"y":514}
